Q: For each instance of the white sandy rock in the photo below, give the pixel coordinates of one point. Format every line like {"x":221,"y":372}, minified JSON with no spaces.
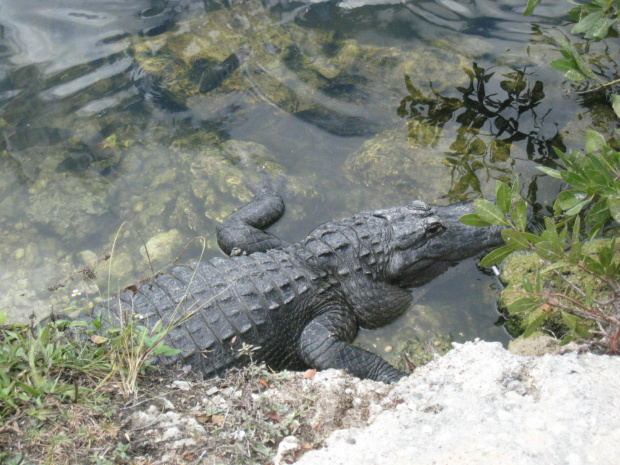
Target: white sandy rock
{"x":288,"y":445}
{"x":480,"y":404}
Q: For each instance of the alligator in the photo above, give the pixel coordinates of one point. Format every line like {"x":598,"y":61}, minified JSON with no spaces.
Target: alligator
{"x":298,"y":306}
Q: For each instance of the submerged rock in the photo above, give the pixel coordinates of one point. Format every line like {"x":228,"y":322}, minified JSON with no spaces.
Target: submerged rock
{"x":107,"y":162}
{"x":391,"y":164}
{"x":69,"y":209}
{"x":313,"y":74}
{"x":164,"y":247}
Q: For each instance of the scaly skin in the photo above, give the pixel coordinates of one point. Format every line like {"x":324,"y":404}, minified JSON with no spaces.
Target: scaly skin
{"x":301,"y":305}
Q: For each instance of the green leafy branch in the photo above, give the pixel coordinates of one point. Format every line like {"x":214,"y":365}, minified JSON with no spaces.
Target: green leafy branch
{"x":595,"y":196}
{"x":594,"y":179}
{"x":594,"y":20}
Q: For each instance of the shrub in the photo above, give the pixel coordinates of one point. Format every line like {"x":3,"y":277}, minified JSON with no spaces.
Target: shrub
{"x":590,"y":209}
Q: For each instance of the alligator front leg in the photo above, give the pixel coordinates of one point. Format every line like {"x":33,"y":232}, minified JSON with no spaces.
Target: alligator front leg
{"x":243,"y":230}
{"x":324,"y":344}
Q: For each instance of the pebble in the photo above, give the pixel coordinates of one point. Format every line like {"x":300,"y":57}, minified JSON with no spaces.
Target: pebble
{"x":181,"y":385}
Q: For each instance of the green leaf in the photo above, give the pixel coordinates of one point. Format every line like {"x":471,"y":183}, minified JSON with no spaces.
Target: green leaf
{"x":530,"y":7}
{"x":518,"y":214}
{"x":575,"y":238}
{"x":574,"y":75}
{"x":572,"y":51}
{"x":582,"y":329}
{"x":551,"y":251}
{"x":570,"y":320}
{"x":600,"y":28}
{"x":576,"y":180}
{"x":594,"y":141}
{"x":566,"y":339}
{"x":472,"y":219}
{"x":550,"y":233}
{"x":598,"y":171}
{"x":489,"y":212}
{"x":611,"y":159}
{"x":523,"y":305}
{"x":613,"y":203}
{"x":502,"y":194}
{"x":577,"y":208}
{"x":515,"y":239}
{"x":594,"y":232}
{"x":587,"y":22}
{"x":561,"y":156}
{"x":3,"y":316}
{"x":535,"y":324}
{"x":496,"y":256}
{"x":515,"y":191}
{"x":577,"y":325}
{"x":576,"y":233}
{"x":605,"y":256}
{"x":568,"y":199}
{"x":615,"y":104}
{"x":574,"y":256}
{"x":598,"y":214}
{"x":594,"y":266}
{"x":563,"y":65}
{"x":533,"y":238}
{"x":527,"y":285}
{"x":166,"y":351}
{"x":550,"y":172}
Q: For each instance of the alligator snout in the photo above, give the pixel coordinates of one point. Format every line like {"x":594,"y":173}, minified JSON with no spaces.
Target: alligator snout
{"x":460,"y":241}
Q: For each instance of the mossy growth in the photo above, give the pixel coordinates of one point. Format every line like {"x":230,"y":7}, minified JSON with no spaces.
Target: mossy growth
{"x":518,"y":266}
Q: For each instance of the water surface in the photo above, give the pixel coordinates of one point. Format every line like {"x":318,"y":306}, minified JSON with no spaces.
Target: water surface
{"x":107,"y":139}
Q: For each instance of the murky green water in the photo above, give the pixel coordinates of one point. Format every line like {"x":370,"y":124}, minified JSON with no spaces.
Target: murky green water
{"x":107,"y":137}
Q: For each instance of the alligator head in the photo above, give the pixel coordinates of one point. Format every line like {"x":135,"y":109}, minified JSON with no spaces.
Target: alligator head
{"x":422,"y":242}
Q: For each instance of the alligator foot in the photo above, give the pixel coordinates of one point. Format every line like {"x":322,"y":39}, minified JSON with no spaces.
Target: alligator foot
{"x":243,"y":232}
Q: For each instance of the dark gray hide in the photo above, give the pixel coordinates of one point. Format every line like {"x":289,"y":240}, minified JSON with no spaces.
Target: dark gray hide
{"x":301,"y":305}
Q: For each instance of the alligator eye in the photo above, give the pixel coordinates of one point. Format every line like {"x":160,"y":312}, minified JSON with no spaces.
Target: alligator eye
{"x":434,"y":229}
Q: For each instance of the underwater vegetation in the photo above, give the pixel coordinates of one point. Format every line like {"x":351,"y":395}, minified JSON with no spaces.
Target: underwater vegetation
{"x":487,"y":125}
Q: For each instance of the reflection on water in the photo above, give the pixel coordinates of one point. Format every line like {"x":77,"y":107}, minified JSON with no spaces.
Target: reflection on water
{"x":134,"y":123}
{"x":489,"y":123}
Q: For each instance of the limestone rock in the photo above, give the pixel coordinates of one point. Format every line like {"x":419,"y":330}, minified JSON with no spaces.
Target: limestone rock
{"x":480,"y":404}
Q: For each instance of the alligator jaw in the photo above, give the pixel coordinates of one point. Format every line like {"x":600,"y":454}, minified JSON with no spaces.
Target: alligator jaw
{"x":422,"y":263}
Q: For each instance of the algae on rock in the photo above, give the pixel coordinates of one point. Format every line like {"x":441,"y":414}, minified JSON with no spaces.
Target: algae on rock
{"x":296,"y":69}
{"x":391,"y":165}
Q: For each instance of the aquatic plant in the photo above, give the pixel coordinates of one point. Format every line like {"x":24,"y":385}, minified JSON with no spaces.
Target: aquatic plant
{"x":488,"y":126}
